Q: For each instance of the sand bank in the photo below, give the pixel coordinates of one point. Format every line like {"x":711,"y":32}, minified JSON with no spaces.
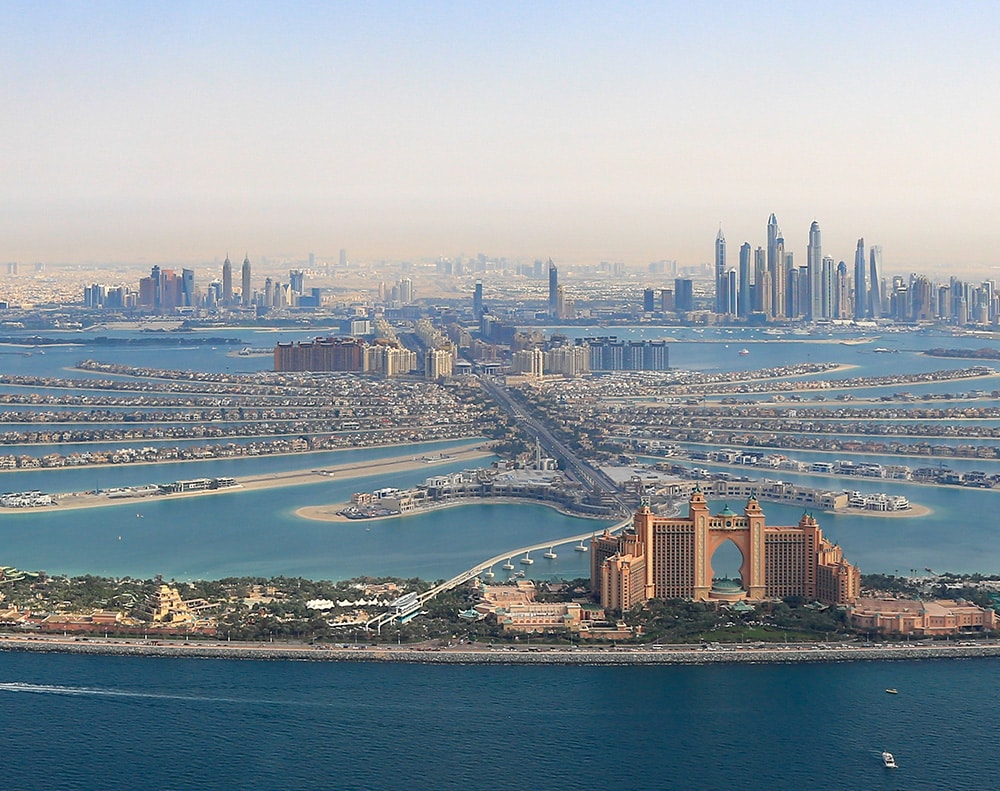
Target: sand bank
{"x":913,"y":510}
{"x":329,"y":513}
{"x":76,"y":500}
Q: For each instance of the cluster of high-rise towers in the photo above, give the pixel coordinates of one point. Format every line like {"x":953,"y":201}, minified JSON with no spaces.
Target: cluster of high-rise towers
{"x":768,"y":282}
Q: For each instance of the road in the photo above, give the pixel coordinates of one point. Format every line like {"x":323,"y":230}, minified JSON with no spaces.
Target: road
{"x":598,"y":482}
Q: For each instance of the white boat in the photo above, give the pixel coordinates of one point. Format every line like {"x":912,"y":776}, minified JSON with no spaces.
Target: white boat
{"x":550,"y":554}
{"x":526,"y":560}
{"x":508,"y":566}
{"x":744,"y":352}
{"x":581,"y":547}
{"x":888,"y":760}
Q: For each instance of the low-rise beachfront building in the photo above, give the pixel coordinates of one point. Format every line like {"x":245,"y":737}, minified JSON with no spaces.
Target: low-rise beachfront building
{"x":920,"y":618}
{"x":517,"y":610}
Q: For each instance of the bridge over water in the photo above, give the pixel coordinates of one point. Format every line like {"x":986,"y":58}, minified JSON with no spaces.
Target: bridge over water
{"x":459,"y":579}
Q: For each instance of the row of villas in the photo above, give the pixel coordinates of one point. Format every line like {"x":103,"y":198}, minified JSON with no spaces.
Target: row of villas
{"x":774,"y":491}
{"x":843,"y":467}
{"x":32,"y":499}
{"x":777,"y":461}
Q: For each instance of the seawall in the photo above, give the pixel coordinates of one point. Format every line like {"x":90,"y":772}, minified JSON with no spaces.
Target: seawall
{"x":506,"y":656}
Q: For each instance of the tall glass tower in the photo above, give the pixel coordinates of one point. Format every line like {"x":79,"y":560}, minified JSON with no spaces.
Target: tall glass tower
{"x":553,"y":289}
{"x":860,"y":289}
{"x":743,"y":307}
{"x":247,"y":295}
{"x":721,"y":298}
{"x":814,"y":266}
{"x":875,"y":282}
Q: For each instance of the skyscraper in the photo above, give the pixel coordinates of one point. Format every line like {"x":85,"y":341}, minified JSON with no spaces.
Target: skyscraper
{"x":875,"y":282}
{"x":553,"y":289}
{"x":860,"y":290}
{"x":683,"y":295}
{"x":814,"y":264}
{"x":773,"y":233}
{"x":842,"y":308}
{"x":227,"y":282}
{"x":743,"y":306}
{"x":477,"y":300}
{"x":779,"y":279}
{"x":829,"y":269}
{"x":761,"y":294}
{"x":732,"y":296}
{"x":247,"y":295}
{"x":721,"y":300}
{"x":187,"y":288}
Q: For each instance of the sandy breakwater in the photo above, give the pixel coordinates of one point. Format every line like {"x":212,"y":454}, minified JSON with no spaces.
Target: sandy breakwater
{"x":505,"y":656}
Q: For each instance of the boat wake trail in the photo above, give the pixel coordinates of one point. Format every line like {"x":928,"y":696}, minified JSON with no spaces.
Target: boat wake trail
{"x":53,"y":689}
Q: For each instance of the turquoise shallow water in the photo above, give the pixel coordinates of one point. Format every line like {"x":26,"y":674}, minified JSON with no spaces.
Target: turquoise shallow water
{"x":80,"y":722}
{"x":258,"y":533}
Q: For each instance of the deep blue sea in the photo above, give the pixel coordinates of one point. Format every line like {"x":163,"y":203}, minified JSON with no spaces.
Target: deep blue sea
{"x":79,"y":722}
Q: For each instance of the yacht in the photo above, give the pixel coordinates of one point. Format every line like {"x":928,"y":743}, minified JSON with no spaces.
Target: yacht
{"x":744,"y":352}
{"x":550,"y":554}
{"x":892,"y":691}
{"x":526,"y":560}
{"x":581,"y":547}
{"x":888,"y":760}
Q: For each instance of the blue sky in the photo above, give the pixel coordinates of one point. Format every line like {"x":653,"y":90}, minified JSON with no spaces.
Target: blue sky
{"x":581,"y":131}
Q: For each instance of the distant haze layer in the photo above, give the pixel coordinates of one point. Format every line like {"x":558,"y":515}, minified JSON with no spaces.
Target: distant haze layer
{"x":579,"y":131}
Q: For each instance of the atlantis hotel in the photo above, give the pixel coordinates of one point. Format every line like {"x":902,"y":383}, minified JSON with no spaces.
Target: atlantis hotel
{"x":671,"y":558}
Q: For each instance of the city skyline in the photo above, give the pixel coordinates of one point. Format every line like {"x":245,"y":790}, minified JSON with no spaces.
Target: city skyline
{"x":154,"y":134}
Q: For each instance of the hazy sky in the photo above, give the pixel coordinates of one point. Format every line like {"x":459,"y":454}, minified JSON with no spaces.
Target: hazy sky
{"x":581,"y":131}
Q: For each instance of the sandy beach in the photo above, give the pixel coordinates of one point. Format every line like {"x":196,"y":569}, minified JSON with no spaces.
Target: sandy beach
{"x":463,"y":453}
{"x":329,"y":513}
{"x":913,"y":510}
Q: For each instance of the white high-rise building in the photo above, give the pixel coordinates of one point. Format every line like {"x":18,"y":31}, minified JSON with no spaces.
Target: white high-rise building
{"x":721,"y":298}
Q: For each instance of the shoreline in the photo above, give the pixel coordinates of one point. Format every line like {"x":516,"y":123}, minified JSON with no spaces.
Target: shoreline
{"x":329,"y":513}
{"x":465,"y":440}
{"x":913,"y":511}
{"x":78,"y":500}
{"x":528,"y":655}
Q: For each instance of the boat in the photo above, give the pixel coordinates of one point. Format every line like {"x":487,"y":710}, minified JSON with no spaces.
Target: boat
{"x":888,"y":760}
{"x":892,"y":691}
{"x":581,"y":547}
{"x":526,"y":560}
{"x":744,"y":352}
{"x":508,"y":566}
{"x":550,"y":554}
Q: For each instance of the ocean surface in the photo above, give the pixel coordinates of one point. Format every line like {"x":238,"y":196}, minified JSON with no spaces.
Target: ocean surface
{"x":82,"y":722}
{"x":92,"y":722}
